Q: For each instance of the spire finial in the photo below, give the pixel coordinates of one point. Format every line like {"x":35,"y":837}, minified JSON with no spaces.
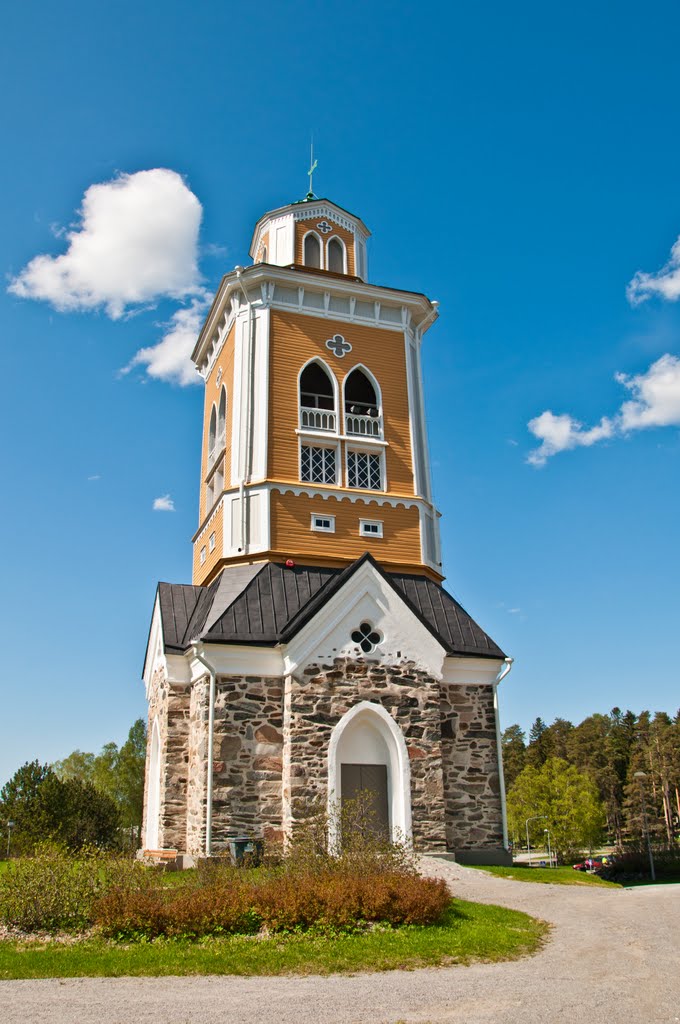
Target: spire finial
{"x":312,"y":167}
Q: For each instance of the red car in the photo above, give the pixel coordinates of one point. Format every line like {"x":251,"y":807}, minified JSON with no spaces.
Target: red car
{"x":593,"y":863}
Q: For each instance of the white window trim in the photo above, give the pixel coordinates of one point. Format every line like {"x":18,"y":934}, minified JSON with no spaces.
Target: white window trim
{"x":204,"y":555}
{"x":336,"y":238}
{"x":318,"y":442}
{"x":322,"y":250}
{"x":371,"y":522}
{"x":322,"y":529}
{"x":211,"y":541}
{"x":363,"y":449}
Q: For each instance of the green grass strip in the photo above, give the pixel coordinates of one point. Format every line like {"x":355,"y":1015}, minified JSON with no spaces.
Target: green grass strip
{"x":469,"y":932}
{"x":558,"y":876}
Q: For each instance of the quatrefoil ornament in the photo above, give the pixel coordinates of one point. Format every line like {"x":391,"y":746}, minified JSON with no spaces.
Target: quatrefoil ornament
{"x":367,"y":637}
{"x":324,"y":226}
{"x":338,"y":345}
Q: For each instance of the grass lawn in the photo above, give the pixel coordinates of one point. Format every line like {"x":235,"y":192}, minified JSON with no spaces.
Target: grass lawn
{"x":559,"y":876}
{"x":470,"y":931}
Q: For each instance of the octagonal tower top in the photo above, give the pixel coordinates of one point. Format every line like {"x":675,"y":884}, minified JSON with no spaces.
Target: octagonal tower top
{"x":312,"y":234}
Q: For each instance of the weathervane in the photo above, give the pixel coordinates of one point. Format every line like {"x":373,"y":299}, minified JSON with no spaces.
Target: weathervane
{"x":312,"y":167}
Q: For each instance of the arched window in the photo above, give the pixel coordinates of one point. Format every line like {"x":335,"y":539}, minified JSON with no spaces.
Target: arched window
{"x":362,"y":405}
{"x":360,"y":395}
{"x":336,"y":256}
{"x":312,"y":250}
{"x":212,"y":432}
{"x":222,"y":418}
{"x":317,"y":398}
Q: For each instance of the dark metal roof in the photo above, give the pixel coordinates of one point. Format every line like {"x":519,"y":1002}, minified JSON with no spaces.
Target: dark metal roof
{"x":178,"y":602}
{"x":267,"y":604}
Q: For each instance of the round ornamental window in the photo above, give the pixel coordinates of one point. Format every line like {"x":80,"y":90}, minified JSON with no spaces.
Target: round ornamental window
{"x":367,"y":637}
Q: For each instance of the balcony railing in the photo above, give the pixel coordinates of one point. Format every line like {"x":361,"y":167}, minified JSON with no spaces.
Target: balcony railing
{"x":217,"y":450}
{"x":360,"y":425}
{"x":317,"y":419}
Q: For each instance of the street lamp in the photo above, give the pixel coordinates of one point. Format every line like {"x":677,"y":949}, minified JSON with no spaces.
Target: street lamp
{"x":10,"y":826}
{"x":547,"y":833}
{"x":641,"y":776}
{"x":536,"y":817}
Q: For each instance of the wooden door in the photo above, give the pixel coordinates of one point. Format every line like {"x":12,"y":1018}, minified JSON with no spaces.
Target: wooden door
{"x":368,"y":781}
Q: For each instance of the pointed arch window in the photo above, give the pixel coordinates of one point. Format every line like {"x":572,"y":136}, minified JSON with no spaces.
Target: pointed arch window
{"x":317,"y":398}
{"x":362,"y":405}
{"x":336,"y":256}
{"x":212,"y":436}
{"x":312,"y":250}
{"x":222,"y":420}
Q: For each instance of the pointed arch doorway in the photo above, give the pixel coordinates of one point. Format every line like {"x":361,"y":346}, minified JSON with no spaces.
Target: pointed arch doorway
{"x":367,"y":756}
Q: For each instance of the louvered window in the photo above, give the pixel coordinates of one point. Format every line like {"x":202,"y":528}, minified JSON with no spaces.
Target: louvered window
{"x":318,"y":465}
{"x":363,"y":470}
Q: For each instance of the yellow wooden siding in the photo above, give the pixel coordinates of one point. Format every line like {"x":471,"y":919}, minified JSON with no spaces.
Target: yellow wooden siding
{"x":293,"y":537}
{"x":295,"y":339}
{"x":225,"y":360}
{"x":216,"y":526}
{"x":303,"y":226}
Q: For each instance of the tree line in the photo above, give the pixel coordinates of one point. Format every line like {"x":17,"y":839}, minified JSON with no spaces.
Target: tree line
{"x":593,"y":770}
{"x":85,"y":799}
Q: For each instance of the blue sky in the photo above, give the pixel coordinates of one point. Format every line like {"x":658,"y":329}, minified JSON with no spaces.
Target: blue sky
{"x":519,"y":163}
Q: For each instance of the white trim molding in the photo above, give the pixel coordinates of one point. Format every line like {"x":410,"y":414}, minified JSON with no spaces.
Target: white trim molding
{"x":399,"y":768}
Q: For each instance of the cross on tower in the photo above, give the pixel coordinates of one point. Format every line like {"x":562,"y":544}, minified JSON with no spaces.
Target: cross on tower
{"x":338,"y":345}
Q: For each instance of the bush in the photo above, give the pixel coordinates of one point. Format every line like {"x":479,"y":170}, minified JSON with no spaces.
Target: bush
{"x":54,"y":891}
{"x":281,"y":900}
{"x":633,"y":865}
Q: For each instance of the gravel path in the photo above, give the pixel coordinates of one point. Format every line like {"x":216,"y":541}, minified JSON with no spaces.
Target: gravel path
{"x":613,"y":958}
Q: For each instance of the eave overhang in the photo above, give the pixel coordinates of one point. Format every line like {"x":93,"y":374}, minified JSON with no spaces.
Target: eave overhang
{"x":423,"y":311}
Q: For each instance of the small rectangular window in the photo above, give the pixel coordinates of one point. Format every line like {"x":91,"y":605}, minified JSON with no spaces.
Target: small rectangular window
{"x":323,"y":524}
{"x":370,"y":528}
{"x":203,"y":555}
{"x":211,"y":541}
{"x":317,"y":465}
{"x":363,"y":470}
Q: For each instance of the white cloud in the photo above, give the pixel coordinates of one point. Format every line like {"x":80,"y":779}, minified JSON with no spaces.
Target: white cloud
{"x":164,"y":504}
{"x":656,"y":396}
{"x":170,"y":358}
{"x":560,"y":433}
{"x":95,"y":476}
{"x":655,"y":403}
{"x":136,"y":241}
{"x":666,"y":283}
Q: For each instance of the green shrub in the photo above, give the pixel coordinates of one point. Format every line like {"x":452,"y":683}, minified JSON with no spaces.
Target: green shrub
{"x":633,"y":865}
{"x":53,"y":890}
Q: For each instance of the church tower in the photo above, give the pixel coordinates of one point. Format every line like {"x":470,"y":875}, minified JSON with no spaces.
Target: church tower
{"x":314,"y":440}
{"x":316,"y":655}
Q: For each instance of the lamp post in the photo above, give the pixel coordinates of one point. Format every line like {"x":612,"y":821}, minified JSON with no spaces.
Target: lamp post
{"x":547,"y":833}
{"x":536,"y":817}
{"x":641,"y":777}
{"x":10,"y":826}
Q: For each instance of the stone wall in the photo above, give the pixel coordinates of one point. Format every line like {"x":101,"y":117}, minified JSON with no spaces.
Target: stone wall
{"x":197,"y":774}
{"x":470,"y":762}
{"x":169,"y":705}
{"x":247,"y":764}
{"x":315,"y":703}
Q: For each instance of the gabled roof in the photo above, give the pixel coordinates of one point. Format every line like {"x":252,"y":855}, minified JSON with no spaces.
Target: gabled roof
{"x":267,"y":604}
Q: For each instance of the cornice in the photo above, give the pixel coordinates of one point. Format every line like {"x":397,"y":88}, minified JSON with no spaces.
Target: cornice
{"x":259,"y":282}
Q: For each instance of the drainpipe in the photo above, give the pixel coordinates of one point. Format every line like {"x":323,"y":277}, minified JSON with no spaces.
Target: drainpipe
{"x":507,"y":665}
{"x":199,"y":654}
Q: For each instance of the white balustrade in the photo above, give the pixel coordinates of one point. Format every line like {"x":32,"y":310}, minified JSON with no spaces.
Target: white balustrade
{"x":363,"y":426}
{"x":317,"y":419}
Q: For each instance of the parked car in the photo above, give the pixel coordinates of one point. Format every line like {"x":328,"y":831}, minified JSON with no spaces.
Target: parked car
{"x":594,"y":863}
